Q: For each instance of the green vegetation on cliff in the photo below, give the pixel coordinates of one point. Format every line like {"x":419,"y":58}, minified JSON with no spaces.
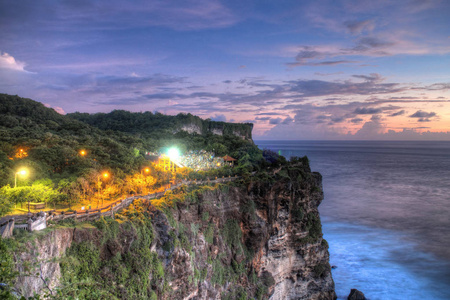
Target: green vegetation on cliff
{"x":205,"y":239}
{"x":48,"y":144}
{"x":158,"y":126}
{"x":110,"y":269}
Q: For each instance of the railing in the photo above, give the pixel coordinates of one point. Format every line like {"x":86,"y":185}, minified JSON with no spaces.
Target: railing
{"x":92,"y":214}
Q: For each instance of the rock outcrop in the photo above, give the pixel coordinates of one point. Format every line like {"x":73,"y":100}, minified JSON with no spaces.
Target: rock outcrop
{"x":39,"y":271}
{"x":243,"y":131}
{"x":356,"y":295}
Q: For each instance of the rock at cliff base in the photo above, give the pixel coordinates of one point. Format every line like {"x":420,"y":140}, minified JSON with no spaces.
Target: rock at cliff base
{"x":356,"y":295}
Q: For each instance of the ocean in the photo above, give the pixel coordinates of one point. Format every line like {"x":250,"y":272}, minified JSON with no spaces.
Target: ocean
{"x":385,"y":215}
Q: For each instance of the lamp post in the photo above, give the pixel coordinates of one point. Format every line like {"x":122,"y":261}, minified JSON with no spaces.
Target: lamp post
{"x":145,"y":170}
{"x":22,"y":172}
{"x":104,"y":175}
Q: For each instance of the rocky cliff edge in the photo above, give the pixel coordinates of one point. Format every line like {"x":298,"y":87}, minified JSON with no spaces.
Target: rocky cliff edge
{"x":258,"y":238}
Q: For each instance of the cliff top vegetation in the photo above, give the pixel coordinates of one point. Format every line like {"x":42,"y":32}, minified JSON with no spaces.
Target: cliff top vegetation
{"x":66,"y":155}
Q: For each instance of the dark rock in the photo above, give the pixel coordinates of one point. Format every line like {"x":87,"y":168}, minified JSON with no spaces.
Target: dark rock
{"x":356,"y":295}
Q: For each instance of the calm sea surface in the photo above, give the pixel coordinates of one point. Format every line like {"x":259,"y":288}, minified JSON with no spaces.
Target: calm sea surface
{"x":386,"y":214}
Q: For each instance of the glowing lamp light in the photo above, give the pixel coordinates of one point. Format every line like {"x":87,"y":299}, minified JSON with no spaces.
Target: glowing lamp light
{"x":147,"y":170}
{"x":173,"y":153}
{"x":22,"y":172}
{"x":105,"y":175}
{"x":83,"y":152}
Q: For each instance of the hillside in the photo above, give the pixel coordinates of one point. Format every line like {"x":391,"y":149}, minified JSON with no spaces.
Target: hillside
{"x":157,"y":125}
{"x":49,"y":145}
{"x":117,"y":140}
{"x":51,"y":142}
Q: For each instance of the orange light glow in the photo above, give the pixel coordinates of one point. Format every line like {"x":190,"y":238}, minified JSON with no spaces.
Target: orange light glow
{"x":147,"y":170}
{"x":83,"y":152}
{"x":105,"y":175}
{"x":21,"y":153}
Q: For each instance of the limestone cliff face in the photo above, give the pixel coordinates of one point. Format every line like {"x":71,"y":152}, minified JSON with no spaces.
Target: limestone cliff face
{"x":280,"y":227}
{"x":38,"y":269}
{"x":243,"y":131}
{"x":260,"y":238}
{"x":191,"y":128}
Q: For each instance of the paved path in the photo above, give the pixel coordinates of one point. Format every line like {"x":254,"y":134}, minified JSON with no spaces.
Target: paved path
{"x":108,"y":210}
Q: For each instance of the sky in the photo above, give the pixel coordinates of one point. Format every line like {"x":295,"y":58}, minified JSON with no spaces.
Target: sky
{"x":321,"y":69}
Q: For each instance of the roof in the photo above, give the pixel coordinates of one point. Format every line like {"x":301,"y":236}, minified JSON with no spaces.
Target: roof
{"x":151,"y":157}
{"x":229,"y":158}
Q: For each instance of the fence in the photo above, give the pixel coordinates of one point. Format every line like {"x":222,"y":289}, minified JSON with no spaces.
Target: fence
{"x":38,"y":222}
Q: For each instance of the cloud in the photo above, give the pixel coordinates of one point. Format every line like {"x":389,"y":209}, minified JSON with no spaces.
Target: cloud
{"x":288,"y":120}
{"x":268,"y":114}
{"x":424,"y":120}
{"x":191,"y":15}
{"x":219,"y":118}
{"x":309,"y":56}
{"x":438,"y":86}
{"x":356,"y":120}
{"x":313,"y":123}
{"x":371,"y":86}
{"x":264,"y":119}
{"x":275,"y":121}
{"x":372,"y":77}
{"x":367,"y":111}
{"x":328,"y":74}
{"x":9,"y":62}
{"x":117,"y":85}
{"x":93,"y":15}
{"x":59,"y":110}
{"x":285,"y":95}
{"x":323,"y":63}
{"x":56,"y":108}
{"x":370,"y":129}
{"x":422,"y":114}
{"x":357,"y":27}
{"x":373,"y":45}
{"x":399,"y":113}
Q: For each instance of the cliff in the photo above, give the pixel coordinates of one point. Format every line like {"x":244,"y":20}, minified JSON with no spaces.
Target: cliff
{"x":259,"y":237}
{"x":205,"y":127}
{"x":152,"y":124}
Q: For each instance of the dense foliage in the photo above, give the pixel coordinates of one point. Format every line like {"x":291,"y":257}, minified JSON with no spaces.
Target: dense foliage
{"x":134,"y":273}
{"x":49,"y":146}
{"x":160,"y":128}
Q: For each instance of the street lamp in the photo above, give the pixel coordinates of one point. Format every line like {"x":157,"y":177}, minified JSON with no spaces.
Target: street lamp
{"x":105,"y":175}
{"x":83,"y":152}
{"x":145,"y":170}
{"x":173,"y":153}
{"x":22,"y":172}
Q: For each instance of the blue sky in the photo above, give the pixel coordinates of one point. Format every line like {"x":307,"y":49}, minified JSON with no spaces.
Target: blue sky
{"x":296,"y":69}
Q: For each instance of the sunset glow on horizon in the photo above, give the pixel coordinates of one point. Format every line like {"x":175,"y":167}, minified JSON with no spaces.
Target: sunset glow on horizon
{"x":296,"y":69}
